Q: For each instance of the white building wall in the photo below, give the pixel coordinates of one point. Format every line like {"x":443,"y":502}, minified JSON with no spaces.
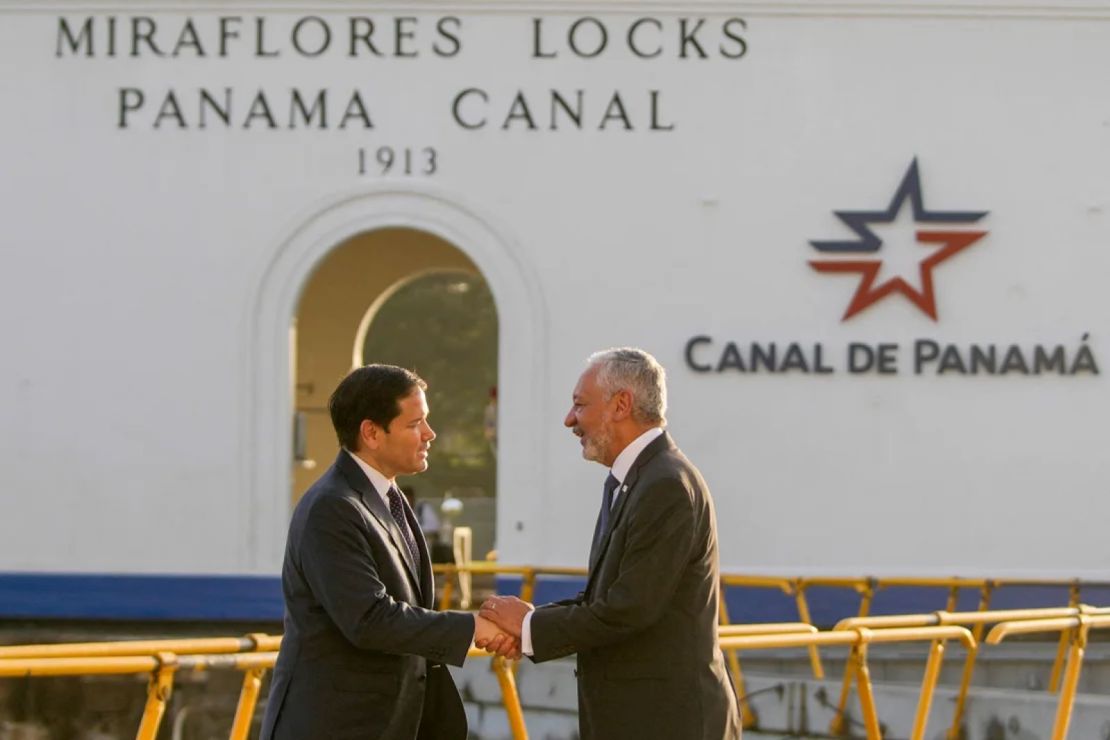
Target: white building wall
{"x":148,"y":274}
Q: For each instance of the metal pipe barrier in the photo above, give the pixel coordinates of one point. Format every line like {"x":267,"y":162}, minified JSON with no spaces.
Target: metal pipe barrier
{"x":797,"y":587}
{"x":1076,"y":629}
{"x":528,"y":573}
{"x":129,"y":658}
{"x":838,"y":726}
{"x":748,"y":715}
{"x":192,"y":646}
{"x":859,"y":640}
{"x":161,"y":667}
{"x":977,"y":619}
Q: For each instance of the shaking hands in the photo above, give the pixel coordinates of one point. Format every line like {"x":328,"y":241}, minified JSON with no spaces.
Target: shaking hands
{"x":490,"y":638}
{"x":499,"y":624}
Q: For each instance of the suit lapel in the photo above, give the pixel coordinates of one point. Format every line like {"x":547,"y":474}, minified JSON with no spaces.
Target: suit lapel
{"x":657,"y":445}
{"x":373,"y":501}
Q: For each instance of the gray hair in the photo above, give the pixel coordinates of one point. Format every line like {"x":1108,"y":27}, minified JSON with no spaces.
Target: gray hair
{"x":636,"y":371}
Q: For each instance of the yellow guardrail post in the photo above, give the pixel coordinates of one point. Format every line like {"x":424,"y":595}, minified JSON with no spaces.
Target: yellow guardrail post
{"x":955,"y":731}
{"x":510,"y":698}
{"x":448,"y":572}
{"x":953,"y":598}
{"x":928,"y":686}
{"x":528,"y":585}
{"x":838,"y":726}
{"x":1062,"y":647}
{"x":1071,"y":678}
{"x":748,"y":717}
{"x":858,"y":657}
{"x":803,"y":614}
{"x":157,"y":696}
{"x":248,"y":700}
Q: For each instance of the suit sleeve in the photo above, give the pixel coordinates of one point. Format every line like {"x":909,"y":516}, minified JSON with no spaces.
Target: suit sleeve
{"x":657,"y":545}
{"x":338,"y":565}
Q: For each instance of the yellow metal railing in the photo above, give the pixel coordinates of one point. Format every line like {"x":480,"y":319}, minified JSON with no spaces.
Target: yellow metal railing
{"x":195,"y":646}
{"x":748,"y":715}
{"x":162,"y":659}
{"x":859,"y":640}
{"x":254,"y":654}
{"x":797,"y":587}
{"x":1075,"y":629}
{"x":162,"y":669}
{"x":977,"y":619}
{"x":528,"y":574}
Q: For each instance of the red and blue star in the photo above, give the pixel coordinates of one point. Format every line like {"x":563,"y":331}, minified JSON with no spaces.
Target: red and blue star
{"x":870,"y":290}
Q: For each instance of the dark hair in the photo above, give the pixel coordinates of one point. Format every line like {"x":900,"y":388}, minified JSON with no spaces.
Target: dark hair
{"x":369,"y":392}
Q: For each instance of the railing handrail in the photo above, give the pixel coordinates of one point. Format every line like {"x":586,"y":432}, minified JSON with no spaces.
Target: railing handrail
{"x":848,"y":637}
{"x":1074,"y":630}
{"x":184,"y":646}
{"x":859,"y":640}
{"x":91,"y":665}
{"x":1099,"y":620}
{"x":763,"y":628}
{"x":162,"y":665}
{"x":968,"y":618}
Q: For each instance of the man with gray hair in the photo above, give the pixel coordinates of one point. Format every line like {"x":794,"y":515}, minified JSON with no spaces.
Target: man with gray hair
{"x":645,"y":628}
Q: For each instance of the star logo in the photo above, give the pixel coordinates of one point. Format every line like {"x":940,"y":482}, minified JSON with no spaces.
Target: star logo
{"x":893,"y":263}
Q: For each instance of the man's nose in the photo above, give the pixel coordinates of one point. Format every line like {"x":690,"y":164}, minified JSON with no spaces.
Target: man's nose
{"x":569,"y":420}
{"x":430,"y":434}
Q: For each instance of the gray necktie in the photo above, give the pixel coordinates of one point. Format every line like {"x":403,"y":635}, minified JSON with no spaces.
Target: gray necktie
{"x":611,"y":484}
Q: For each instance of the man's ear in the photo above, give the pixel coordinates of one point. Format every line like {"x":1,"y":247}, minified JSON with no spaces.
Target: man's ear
{"x":622,"y":406}
{"x":369,"y":434}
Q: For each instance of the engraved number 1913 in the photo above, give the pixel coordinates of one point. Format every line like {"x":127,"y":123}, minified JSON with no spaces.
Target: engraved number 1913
{"x":407,"y":160}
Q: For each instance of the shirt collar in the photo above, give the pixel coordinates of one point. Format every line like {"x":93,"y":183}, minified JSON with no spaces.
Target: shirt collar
{"x":629,"y":454}
{"x":380,"y":483}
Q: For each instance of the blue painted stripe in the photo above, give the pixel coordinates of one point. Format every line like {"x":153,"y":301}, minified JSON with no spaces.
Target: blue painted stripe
{"x":140,"y":597}
{"x":258,"y":598}
{"x":829,"y":605}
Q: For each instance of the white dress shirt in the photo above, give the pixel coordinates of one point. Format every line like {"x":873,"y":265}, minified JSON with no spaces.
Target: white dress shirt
{"x":380,"y":483}
{"x":620,"y":469}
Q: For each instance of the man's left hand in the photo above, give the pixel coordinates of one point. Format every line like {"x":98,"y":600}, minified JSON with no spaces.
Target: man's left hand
{"x":507,"y":612}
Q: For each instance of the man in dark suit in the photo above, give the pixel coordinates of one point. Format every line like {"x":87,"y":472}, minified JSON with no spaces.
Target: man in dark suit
{"x":363,"y":652}
{"x":645,"y":628}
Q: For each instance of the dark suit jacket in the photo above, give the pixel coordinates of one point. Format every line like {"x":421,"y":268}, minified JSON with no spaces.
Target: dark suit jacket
{"x":362,"y":652}
{"x":645,"y":628}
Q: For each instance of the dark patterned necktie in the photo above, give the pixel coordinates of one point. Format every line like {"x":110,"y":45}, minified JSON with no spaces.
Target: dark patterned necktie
{"x":398,"y":512}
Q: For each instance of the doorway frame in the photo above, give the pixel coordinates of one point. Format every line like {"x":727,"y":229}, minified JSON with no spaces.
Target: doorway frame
{"x":267,"y":385}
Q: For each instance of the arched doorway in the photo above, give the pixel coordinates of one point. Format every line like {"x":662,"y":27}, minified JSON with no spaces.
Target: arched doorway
{"x":276,"y":322}
{"x":405,"y":297}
